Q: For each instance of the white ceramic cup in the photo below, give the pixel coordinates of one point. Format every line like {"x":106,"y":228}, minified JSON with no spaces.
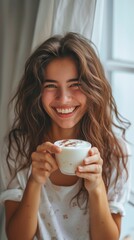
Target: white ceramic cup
{"x":73,"y":152}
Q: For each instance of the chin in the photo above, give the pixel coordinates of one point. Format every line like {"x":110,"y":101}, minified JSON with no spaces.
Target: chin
{"x":67,"y":125}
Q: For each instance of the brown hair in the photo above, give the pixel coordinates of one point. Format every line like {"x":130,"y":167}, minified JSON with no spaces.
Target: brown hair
{"x":97,"y":124}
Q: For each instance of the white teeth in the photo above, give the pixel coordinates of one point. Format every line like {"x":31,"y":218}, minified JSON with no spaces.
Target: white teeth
{"x":65,"y":110}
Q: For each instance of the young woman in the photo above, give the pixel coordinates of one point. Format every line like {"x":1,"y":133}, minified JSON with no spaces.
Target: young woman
{"x":64,"y":94}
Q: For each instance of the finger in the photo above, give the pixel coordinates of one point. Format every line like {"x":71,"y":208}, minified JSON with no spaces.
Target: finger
{"x":48,"y":146}
{"x":42,"y":165}
{"x":92,"y":168}
{"x":101,"y":161}
{"x":90,"y":177}
{"x":93,"y":151}
{"x":36,"y":156}
{"x":92,"y":159}
{"x":44,"y":157}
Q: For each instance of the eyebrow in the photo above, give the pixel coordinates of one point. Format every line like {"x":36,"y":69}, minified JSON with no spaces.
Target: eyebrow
{"x":55,"y":81}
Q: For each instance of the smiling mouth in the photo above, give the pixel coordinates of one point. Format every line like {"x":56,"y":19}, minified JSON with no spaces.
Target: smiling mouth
{"x":65,"y":110}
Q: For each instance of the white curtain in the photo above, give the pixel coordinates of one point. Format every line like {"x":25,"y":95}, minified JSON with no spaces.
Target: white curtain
{"x":24,"y":25}
{"x":17,"y":28}
{"x":60,"y":16}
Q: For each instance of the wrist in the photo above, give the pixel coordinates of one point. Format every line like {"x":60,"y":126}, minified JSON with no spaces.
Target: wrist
{"x":98,"y":190}
{"x":33,"y":182}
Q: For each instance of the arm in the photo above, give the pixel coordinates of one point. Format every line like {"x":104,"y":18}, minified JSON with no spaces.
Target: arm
{"x":21,"y":218}
{"x":108,"y":225}
{"x":103,"y":224}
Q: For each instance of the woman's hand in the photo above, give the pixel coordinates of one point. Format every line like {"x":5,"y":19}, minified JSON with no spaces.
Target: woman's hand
{"x":43,"y":162}
{"x":91,"y":170}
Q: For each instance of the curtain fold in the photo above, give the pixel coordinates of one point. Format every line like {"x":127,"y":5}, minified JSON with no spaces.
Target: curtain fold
{"x":75,"y":16}
{"x":17,"y":34}
{"x":98,"y":22}
{"x":44,"y":22}
{"x":61,"y":16}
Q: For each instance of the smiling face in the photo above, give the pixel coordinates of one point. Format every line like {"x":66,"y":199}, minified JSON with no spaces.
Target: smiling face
{"x":62,"y":98}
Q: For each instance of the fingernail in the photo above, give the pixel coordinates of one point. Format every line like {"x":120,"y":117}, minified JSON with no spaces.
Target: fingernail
{"x":91,"y":151}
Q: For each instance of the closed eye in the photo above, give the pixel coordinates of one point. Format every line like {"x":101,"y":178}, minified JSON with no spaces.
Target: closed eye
{"x":75,"y":85}
{"x":50,"y":86}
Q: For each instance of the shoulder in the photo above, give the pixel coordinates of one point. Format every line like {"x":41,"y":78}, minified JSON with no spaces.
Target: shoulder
{"x":121,"y":168}
{"x":120,"y":181}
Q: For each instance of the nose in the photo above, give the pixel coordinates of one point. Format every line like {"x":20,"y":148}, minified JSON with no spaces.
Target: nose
{"x":63,"y":95}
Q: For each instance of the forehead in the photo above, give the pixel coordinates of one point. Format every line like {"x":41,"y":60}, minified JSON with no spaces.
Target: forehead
{"x":61,"y":67}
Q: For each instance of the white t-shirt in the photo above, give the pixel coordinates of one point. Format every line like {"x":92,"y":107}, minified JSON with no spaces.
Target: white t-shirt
{"x":59,"y":218}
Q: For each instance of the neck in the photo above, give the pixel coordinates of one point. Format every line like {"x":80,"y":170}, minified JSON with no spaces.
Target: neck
{"x":58,"y":134}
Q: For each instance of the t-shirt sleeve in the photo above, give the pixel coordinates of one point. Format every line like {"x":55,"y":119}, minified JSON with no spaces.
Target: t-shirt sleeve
{"x":11,"y":185}
{"x":118,"y":194}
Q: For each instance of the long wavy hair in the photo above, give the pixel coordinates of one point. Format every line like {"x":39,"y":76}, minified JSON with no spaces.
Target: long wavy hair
{"x":31,"y":121}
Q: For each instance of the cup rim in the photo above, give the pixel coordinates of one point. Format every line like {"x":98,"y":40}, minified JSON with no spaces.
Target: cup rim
{"x":72,"y":147}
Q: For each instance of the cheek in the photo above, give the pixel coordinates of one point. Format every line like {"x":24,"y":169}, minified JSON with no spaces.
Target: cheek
{"x":45,"y":102}
{"x":43,"y":99}
{"x":84,"y":103}
{"x":46,"y":99}
{"x":82,"y":98}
